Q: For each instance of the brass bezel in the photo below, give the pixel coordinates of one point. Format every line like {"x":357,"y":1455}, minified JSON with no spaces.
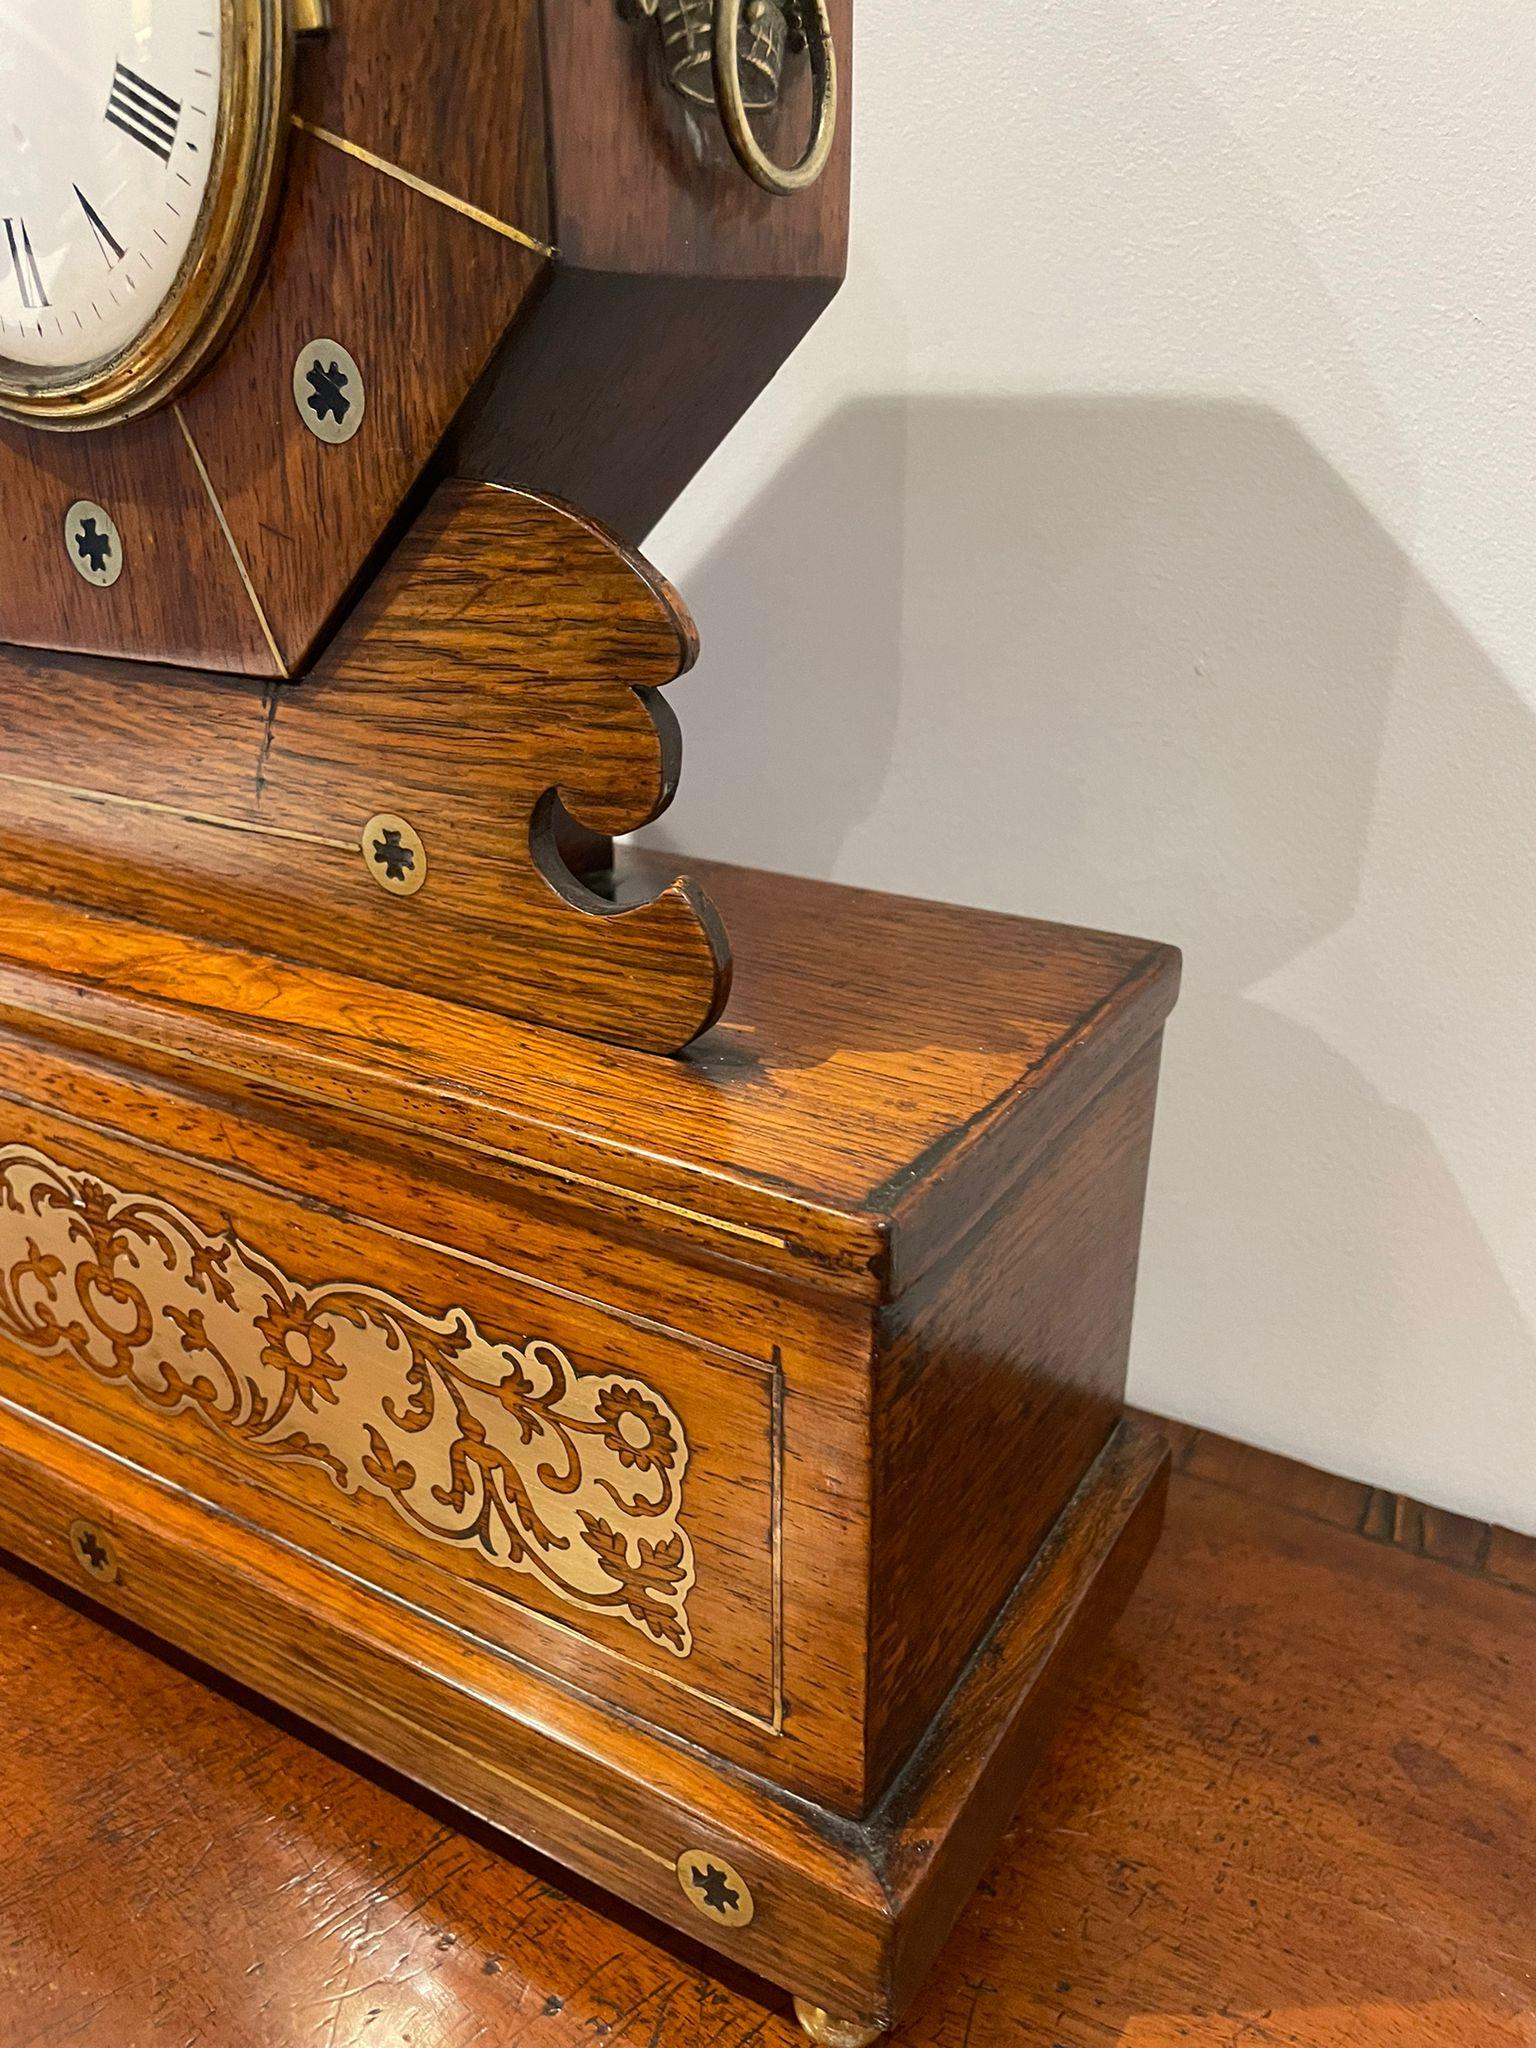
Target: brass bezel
{"x":216,"y":276}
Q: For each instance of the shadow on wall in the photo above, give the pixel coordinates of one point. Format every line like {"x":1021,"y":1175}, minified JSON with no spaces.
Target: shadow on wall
{"x":1151,"y":664}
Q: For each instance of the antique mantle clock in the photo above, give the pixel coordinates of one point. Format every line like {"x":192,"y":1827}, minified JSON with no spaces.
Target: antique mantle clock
{"x":691,"y":1438}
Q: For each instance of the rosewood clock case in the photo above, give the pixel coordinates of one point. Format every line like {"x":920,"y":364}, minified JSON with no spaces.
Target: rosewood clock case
{"x":687,"y":1432}
{"x":708,"y":1464}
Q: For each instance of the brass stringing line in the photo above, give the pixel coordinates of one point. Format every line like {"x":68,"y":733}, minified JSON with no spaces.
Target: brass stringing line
{"x":500,"y":1153}
{"x":776,"y":1536}
{"x":234,"y":546}
{"x":739,"y":1361}
{"x":770,"y":1724}
{"x":382,"y":1706}
{"x":404,"y":177}
{"x":146,"y":803}
{"x":649,"y":1324}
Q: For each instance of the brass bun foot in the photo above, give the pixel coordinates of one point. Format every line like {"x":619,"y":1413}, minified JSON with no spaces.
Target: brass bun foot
{"x":828,"y":2032}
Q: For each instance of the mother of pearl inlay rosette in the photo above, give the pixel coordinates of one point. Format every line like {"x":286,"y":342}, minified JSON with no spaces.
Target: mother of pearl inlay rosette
{"x":504,"y":1449}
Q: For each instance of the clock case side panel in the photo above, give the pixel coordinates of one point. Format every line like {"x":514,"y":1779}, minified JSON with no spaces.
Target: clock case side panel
{"x":679,"y":287}
{"x":258,"y":1227}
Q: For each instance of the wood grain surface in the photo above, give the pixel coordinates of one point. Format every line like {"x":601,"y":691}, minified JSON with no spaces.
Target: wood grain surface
{"x":500,"y":677}
{"x":795,"y":1133}
{"x":420,"y":294}
{"x":846,"y":1913}
{"x":451,"y":93}
{"x":1296,"y":1808}
{"x":350,"y":1397}
{"x":180,"y":595}
{"x":654,"y":188}
{"x":997,"y":1379}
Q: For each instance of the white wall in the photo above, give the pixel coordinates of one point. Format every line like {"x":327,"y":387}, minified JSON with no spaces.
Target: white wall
{"x":1148,"y":538}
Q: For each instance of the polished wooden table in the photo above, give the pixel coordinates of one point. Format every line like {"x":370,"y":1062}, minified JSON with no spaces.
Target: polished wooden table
{"x":1297,"y":1805}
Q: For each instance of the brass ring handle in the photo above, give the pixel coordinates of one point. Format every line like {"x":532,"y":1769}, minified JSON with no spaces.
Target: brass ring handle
{"x":780,"y":179}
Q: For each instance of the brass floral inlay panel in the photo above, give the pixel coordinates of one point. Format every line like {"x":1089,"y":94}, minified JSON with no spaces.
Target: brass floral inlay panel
{"x":505,"y":1449}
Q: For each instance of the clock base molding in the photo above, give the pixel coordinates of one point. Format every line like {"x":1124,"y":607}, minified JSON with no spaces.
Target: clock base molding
{"x":710,"y":1470}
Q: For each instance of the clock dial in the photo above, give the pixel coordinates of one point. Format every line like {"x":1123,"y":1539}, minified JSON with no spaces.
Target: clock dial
{"x":139,"y":150}
{"x":108,"y":123}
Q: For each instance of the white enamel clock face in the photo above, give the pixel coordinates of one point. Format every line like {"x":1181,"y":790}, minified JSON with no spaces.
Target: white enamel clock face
{"x":108,"y":124}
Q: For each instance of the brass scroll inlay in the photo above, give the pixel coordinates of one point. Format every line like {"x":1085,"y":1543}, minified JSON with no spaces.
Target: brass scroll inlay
{"x":506,"y":1449}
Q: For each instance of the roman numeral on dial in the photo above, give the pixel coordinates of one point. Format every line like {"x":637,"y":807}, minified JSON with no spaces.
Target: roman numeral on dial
{"x":143,"y":111}
{"x":106,"y":241}
{"x":24,"y":263}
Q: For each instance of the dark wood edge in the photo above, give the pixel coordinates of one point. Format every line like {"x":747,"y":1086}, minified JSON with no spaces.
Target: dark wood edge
{"x":1159,"y":969}
{"x":942,"y":1197}
{"x":936,"y":1829}
{"x":1505,"y":1557}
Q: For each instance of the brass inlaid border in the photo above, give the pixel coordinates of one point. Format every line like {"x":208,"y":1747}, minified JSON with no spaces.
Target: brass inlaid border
{"x":234,"y":546}
{"x":434,"y":192}
{"x":776,"y":1538}
{"x":770,"y":1369}
{"x":508,"y":1451}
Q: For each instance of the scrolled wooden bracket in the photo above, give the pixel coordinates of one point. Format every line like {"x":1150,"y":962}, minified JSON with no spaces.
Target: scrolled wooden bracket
{"x":424,"y":809}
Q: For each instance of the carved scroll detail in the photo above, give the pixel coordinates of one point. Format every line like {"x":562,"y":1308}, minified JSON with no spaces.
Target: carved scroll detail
{"x":505,"y":1449}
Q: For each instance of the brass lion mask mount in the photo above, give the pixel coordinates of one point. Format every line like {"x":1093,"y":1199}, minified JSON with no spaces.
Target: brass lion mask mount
{"x":732,"y":55}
